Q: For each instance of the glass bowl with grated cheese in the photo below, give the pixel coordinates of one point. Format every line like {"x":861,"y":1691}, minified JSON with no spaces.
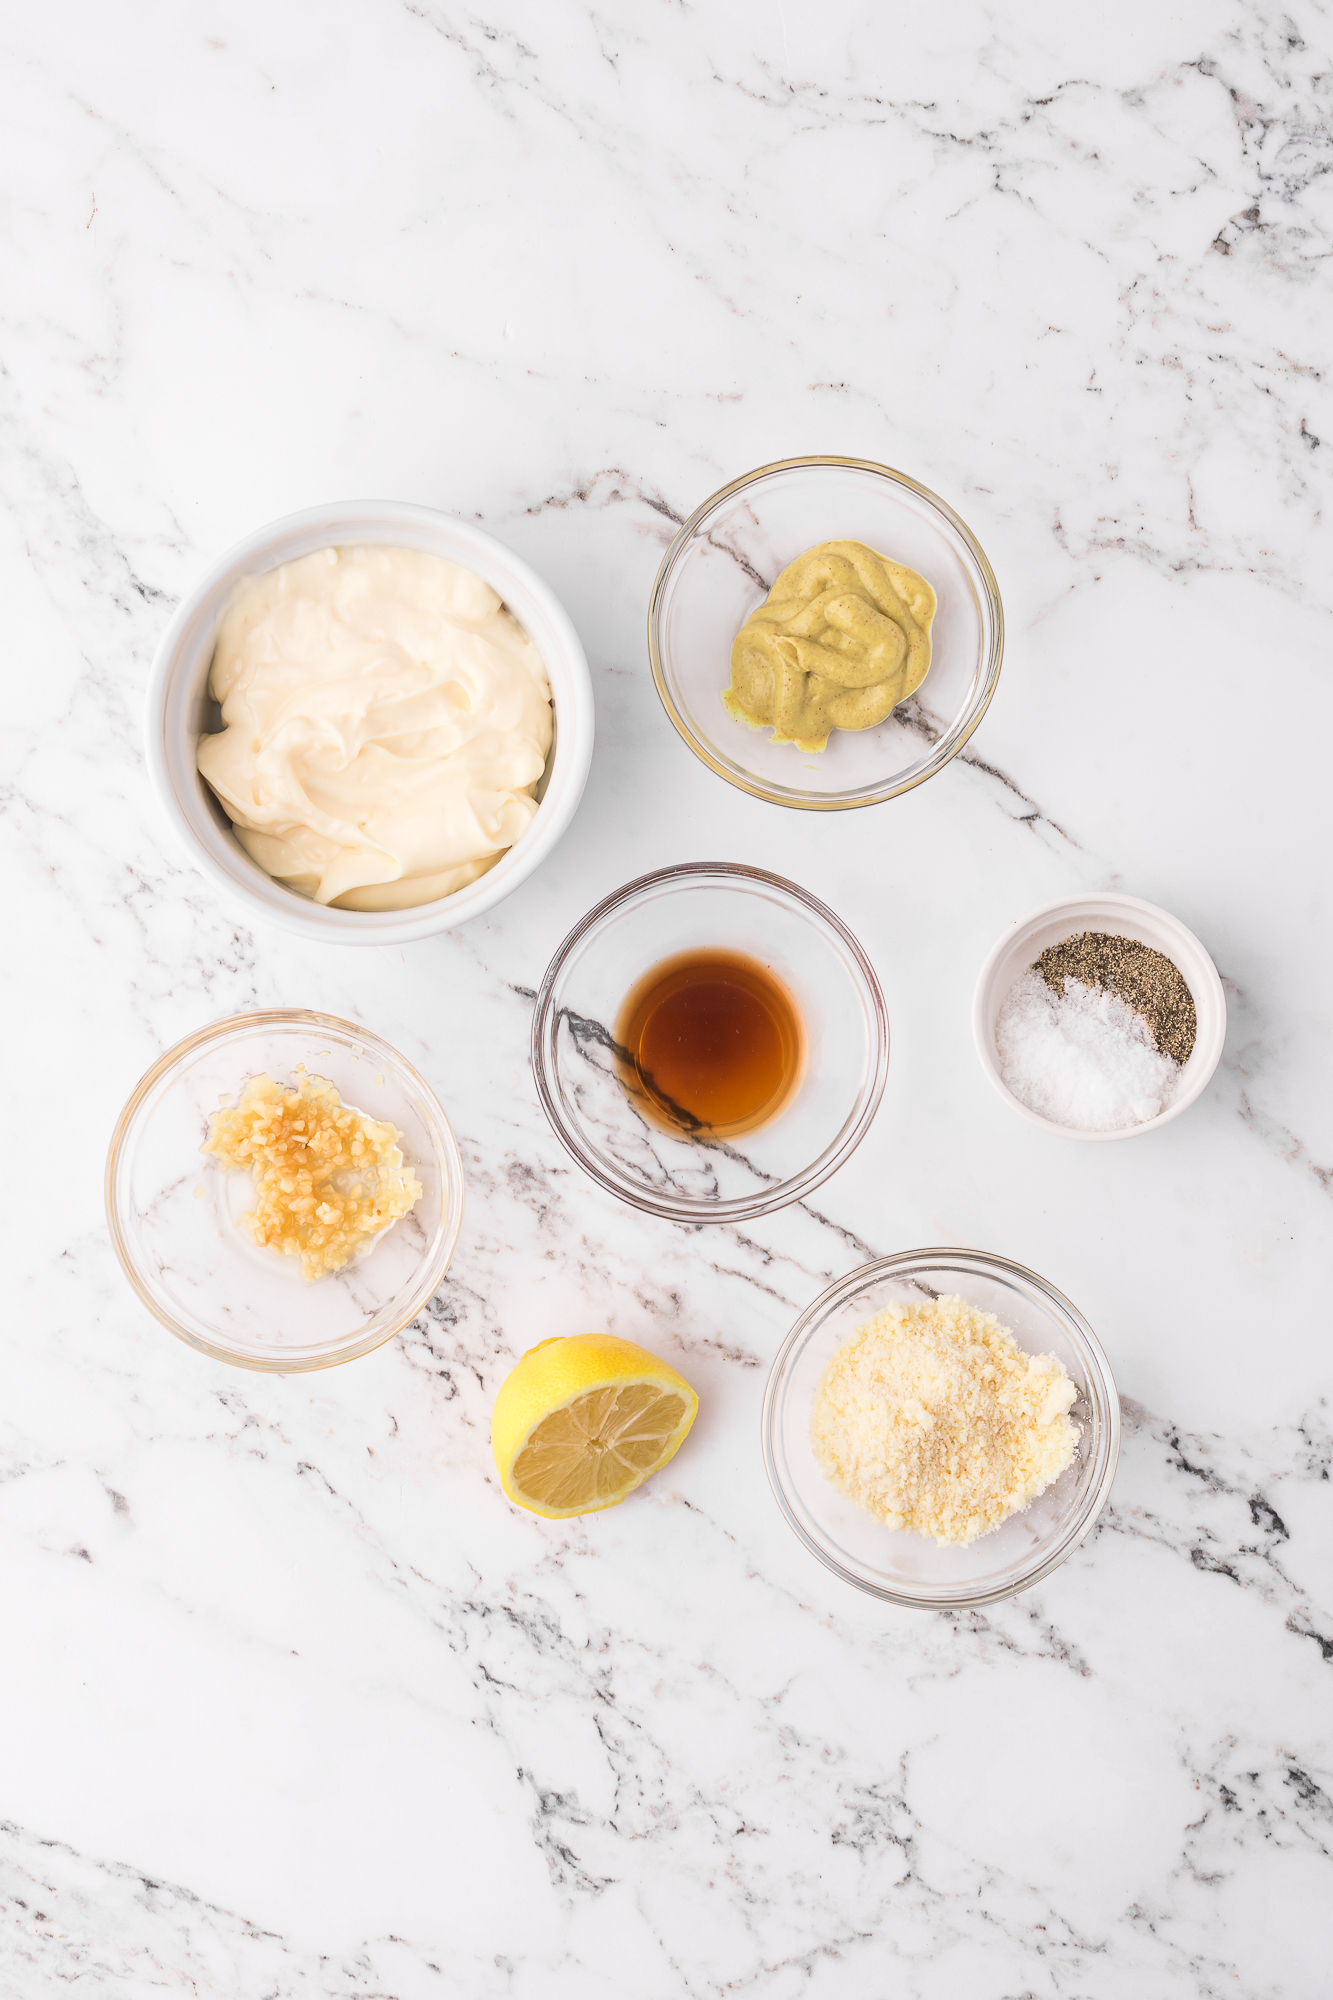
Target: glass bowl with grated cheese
{"x":222,"y":1253}
{"x":895,"y":1563}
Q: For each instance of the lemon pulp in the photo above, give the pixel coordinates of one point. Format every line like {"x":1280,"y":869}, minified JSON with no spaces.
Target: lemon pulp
{"x":599,"y":1447}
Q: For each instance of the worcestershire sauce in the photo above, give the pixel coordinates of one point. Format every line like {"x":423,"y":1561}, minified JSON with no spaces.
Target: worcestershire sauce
{"x":714,"y":1041}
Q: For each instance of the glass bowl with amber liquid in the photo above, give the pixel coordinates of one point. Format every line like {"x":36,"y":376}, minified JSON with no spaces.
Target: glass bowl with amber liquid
{"x":710,"y":1043}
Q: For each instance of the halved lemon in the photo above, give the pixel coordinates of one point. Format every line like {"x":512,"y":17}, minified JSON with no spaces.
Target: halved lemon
{"x":584,"y":1419}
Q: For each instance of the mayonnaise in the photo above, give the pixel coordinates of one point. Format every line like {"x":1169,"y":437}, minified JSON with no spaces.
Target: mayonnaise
{"x":385,"y":721}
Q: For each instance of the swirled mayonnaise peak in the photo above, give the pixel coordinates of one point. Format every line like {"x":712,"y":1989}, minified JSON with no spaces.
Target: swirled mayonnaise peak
{"x":385,"y":721}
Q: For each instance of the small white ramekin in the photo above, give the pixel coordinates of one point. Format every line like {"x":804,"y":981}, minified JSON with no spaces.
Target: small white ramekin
{"x":1121,"y":916}
{"x":178,"y":712}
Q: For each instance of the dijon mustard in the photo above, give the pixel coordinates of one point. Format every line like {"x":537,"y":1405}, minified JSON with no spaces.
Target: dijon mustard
{"x":842,"y":637}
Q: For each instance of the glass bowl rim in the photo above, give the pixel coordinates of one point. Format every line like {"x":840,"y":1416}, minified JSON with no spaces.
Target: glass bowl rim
{"x":300,"y":1360}
{"x":1103,"y":1399}
{"x":950,"y":742}
{"x":747,"y":1207}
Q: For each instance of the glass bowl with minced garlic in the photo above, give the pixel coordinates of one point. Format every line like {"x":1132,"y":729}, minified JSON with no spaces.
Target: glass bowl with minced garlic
{"x":283,"y":1191}
{"x":941,"y":1428}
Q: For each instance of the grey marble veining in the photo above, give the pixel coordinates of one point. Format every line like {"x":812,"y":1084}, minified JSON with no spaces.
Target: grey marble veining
{"x":296,"y":1704}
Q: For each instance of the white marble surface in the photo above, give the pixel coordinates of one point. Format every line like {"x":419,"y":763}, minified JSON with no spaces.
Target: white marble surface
{"x":295,"y":1704}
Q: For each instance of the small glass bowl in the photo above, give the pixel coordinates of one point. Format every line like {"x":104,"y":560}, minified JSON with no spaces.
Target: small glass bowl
{"x":723,"y":563}
{"x":894,"y":1564}
{"x":172,"y":1209}
{"x":576,"y":1061}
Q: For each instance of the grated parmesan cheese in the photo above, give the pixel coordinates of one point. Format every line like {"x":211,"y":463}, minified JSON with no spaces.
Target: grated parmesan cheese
{"x":932,"y":1418}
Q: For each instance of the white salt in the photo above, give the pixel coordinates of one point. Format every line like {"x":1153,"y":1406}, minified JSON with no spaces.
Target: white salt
{"x":1081,"y":1058}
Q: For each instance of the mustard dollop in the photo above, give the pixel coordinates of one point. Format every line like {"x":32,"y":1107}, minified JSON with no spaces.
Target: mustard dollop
{"x":842,"y":637}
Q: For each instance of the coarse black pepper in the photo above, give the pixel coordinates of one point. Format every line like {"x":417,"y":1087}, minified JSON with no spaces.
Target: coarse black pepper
{"x":1145,"y":979}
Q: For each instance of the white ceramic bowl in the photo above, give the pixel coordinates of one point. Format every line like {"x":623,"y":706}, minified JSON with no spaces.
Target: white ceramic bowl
{"x":179,"y":711}
{"x":1121,"y":916}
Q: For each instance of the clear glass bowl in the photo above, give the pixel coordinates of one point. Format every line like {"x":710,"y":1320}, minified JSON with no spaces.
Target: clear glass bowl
{"x":723,"y":563}
{"x":577,"y":1063}
{"x":172,"y":1208}
{"x":911,"y":1569}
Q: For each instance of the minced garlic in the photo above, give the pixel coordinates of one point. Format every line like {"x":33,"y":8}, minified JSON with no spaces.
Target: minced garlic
{"x":933,"y":1418}
{"x":327,"y":1179}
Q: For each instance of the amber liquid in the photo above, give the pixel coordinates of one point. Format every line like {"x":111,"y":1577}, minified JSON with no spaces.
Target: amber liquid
{"x":714,"y":1040}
